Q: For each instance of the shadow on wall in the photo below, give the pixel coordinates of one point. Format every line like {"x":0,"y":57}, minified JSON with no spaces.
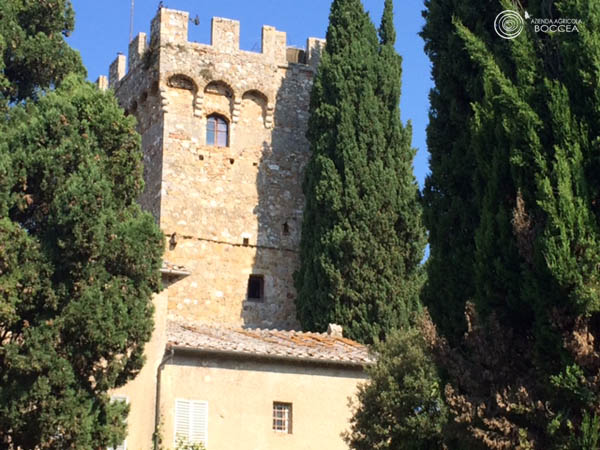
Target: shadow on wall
{"x":271,"y":295}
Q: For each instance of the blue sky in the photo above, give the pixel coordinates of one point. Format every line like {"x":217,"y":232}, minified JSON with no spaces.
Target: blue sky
{"x":102,"y":30}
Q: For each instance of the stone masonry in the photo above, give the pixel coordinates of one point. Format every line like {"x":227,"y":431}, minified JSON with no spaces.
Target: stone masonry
{"x":228,"y":212}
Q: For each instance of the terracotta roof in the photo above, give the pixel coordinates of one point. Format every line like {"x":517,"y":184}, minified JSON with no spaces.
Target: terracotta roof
{"x":173,"y":269}
{"x":319,"y":347}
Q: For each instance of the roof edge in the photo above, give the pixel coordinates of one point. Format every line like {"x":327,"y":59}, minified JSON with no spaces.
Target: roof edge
{"x":182,"y":273}
{"x":353,"y":365}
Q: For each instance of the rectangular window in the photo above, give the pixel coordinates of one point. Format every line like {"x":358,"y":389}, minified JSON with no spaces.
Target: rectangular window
{"x":282,"y":417}
{"x":191,"y":422}
{"x":222,"y":134}
{"x":210,"y":136}
{"x":217,"y":131}
{"x":119,"y":398}
{"x":256,"y":288}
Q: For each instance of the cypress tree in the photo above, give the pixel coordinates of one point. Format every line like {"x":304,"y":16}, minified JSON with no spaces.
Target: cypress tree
{"x":79,"y":261}
{"x":361,"y":238}
{"x":533,"y":134}
{"x":537,"y":242}
{"x":450,"y":201}
{"x":524,"y":115}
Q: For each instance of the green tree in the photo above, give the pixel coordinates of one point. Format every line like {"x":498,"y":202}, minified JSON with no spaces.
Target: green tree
{"x":401,"y":407}
{"x":451,"y":211}
{"x":362,"y":239}
{"x":533,"y":139}
{"x":79,"y":261}
{"x":33,"y":52}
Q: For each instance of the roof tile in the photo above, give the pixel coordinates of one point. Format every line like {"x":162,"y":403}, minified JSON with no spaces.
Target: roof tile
{"x":316,"y":346}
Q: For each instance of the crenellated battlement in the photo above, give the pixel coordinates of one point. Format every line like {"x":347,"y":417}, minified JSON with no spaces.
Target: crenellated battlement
{"x":170,"y":29}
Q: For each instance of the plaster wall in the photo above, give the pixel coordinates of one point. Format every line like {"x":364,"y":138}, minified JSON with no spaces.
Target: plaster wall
{"x":141,"y":391}
{"x":240,"y":396}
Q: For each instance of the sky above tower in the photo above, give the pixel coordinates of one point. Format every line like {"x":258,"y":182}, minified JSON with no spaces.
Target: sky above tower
{"x":102,"y":30}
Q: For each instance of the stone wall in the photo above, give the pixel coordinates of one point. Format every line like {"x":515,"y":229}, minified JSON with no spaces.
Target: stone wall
{"x":228,"y":212}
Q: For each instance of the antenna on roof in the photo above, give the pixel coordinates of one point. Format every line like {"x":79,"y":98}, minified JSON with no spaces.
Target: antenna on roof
{"x":195,"y":20}
{"x":131,"y":20}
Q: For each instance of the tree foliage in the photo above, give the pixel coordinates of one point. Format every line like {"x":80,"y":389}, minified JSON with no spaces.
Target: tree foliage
{"x":451,"y":211}
{"x":78,"y":265}
{"x":79,"y":261}
{"x":362,"y":239}
{"x":533,"y":252}
{"x":401,"y":406}
{"x":513,"y":208}
{"x":33,"y":52}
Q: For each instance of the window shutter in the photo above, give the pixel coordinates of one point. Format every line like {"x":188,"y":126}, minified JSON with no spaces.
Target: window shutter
{"x":199,"y":424}
{"x":182,"y":420}
{"x":191,"y":421}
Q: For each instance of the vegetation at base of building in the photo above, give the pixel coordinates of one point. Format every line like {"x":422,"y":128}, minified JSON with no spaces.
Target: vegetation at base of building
{"x":183,"y":445}
{"x":79,"y":261}
{"x":362,"y":237}
{"x":402,"y":405}
{"x":525,"y":372}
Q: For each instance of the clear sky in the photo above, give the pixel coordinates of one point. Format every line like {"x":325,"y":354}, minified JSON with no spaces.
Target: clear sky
{"x":102,"y":30}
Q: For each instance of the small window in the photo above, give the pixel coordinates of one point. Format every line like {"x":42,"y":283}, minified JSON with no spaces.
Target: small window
{"x":256,"y":287}
{"x":282,"y":417}
{"x":191,"y":422}
{"x":217,"y":131}
{"x":286,"y":229}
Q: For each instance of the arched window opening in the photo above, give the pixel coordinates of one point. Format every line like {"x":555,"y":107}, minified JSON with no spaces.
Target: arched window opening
{"x":182,"y":82}
{"x":254,"y":108}
{"x":217,"y":131}
{"x":218,"y":88}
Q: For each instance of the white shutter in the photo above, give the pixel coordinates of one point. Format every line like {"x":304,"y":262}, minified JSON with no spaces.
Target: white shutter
{"x":199,"y":423}
{"x":191,"y":421}
{"x":182,"y":420}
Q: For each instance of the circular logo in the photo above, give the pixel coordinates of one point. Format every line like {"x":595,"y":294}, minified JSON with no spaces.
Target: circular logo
{"x":508,"y":24}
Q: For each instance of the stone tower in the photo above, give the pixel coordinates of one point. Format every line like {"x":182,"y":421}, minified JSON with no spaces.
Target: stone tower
{"x":223,"y":135}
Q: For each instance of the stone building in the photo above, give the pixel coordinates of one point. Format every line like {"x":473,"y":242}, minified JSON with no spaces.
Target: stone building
{"x":223,"y":135}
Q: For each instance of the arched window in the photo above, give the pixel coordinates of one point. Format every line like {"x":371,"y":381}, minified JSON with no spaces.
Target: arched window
{"x":217,"y":131}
